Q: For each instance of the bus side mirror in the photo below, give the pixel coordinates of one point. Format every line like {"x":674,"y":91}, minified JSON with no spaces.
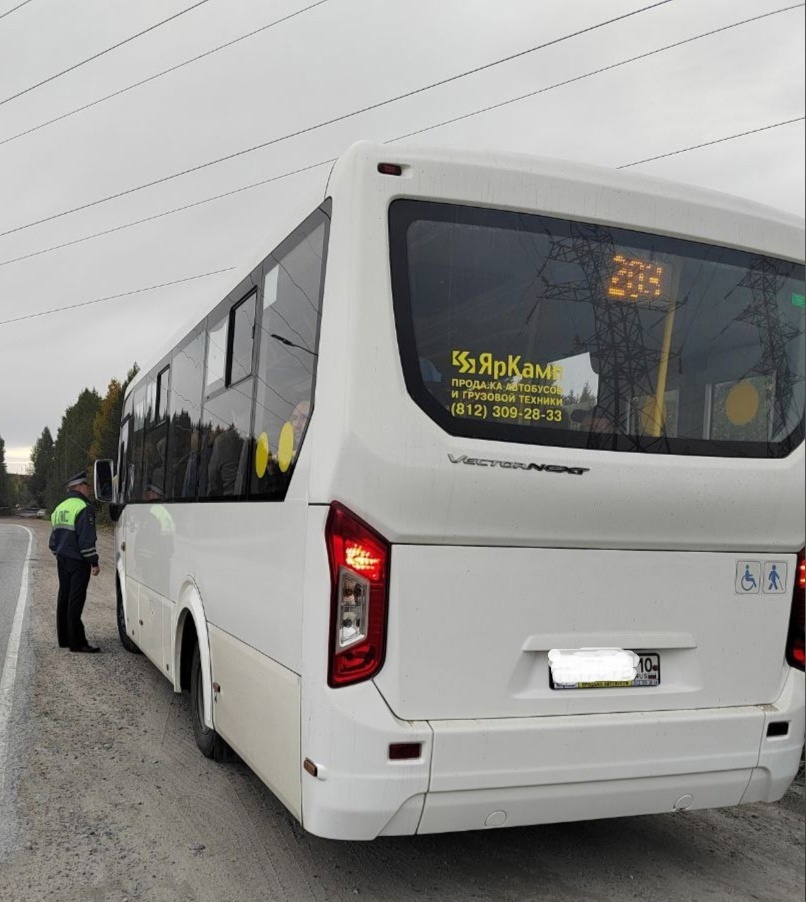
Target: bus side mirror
{"x":104,"y":476}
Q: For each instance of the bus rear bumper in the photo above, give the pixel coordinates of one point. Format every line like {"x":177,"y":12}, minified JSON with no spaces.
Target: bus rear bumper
{"x":483,"y":774}
{"x":553,"y":769}
{"x":779,"y":756}
{"x":552,"y":804}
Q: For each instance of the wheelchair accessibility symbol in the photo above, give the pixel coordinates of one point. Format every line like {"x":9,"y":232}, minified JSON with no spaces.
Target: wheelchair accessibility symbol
{"x":748,"y":577}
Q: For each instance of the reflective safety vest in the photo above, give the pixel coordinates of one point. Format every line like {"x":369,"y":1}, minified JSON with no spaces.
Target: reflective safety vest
{"x":73,"y":530}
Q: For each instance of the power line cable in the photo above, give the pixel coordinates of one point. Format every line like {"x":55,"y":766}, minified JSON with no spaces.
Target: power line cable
{"x":13,"y":9}
{"x":101,"y":53}
{"x":401,"y":137}
{"x":599,"y":71}
{"x":151,"y":78}
{"x":335,"y":119}
{"x":111,"y":297}
{"x":189,"y":206}
{"x":673,"y":153}
{"x":285,"y":175}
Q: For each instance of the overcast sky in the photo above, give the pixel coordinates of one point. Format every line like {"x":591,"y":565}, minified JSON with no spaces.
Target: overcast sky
{"x":336,"y":57}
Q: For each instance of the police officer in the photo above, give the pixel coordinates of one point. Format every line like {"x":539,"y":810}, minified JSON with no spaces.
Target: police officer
{"x":72,"y":540}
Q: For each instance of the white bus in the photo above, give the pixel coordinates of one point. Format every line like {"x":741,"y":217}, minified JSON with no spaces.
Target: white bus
{"x":478,"y":501}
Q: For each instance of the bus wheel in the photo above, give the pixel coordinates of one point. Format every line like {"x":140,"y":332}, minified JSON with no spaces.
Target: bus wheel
{"x":125,"y":639}
{"x":210,"y":744}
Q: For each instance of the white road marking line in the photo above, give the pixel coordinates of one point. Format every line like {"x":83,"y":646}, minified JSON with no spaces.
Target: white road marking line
{"x":10,"y":663}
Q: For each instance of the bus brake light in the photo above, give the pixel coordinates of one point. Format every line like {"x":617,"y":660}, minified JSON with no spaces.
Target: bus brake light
{"x":359,"y":585}
{"x":795,"y":646}
{"x":390,"y":169}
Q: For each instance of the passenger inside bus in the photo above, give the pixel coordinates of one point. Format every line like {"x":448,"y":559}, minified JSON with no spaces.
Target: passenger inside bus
{"x":299,"y":420}
{"x":592,"y":419}
{"x":226,"y":469}
{"x":191,"y":467}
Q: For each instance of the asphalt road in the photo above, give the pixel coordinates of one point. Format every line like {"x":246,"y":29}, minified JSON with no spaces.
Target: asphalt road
{"x":112,"y":801}
{"x":15,"y":679}
{"x":13,"y":546}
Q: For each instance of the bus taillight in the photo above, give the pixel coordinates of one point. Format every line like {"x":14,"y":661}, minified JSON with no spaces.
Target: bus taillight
{"x":359,"y":585}
{"x":795,"y":653}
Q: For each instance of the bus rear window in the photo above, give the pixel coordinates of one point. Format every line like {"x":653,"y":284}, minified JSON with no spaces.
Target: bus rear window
{"x":524,"y":328}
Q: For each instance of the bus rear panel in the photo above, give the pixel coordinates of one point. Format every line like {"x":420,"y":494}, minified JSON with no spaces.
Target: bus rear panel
{"x":558,"y":415}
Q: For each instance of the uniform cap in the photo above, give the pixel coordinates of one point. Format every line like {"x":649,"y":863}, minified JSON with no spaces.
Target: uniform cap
{"x":77,"y":479}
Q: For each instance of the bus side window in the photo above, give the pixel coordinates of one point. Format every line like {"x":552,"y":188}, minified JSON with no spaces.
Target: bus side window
{"x":187,"y":375}
{"x":138,"y":436}
{"x":224,"y":452}
{"x":157,"y":437}
{"x":224,"y":437}
{"x":293,"y":279}
{"x":123,"y":459}
{"x":242,"y":333}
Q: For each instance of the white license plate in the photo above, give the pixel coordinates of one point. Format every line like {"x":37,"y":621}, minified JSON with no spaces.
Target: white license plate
{"x":647,"y":673}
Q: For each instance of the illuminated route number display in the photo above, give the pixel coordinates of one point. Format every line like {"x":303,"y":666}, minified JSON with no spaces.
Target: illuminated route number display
{"x":637,"y":280}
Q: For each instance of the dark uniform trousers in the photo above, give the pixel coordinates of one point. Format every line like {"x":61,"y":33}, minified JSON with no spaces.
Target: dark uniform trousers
{"x":74,"y":577}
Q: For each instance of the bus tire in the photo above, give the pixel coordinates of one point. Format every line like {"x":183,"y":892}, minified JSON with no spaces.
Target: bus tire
{"x":125,"y":639}
{"x":210,"y":744}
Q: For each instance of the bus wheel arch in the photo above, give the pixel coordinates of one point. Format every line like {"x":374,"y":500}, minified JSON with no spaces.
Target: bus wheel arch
{"x":187,"y":640}
{"x":191,"y":632}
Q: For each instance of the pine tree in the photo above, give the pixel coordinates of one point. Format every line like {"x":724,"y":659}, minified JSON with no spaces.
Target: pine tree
{"x":106,"y":425}
{"x":89,"y":431}
{"x":106,"y":428}
{"x":5,"y":485}
{"x":20,"y":490}
{"x":41,"y":457}
{"x":133,"y":371}
{"x":71,"y":451}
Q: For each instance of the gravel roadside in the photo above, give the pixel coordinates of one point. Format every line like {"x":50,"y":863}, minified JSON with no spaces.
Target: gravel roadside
{"x":115,"y":803}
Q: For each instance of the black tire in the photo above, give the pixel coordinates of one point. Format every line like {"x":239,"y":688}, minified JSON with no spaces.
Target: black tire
{"x":125,"y":639}
{"x":210,"y":744}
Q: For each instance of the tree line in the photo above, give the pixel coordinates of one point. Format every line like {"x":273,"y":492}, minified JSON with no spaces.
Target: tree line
{"x":89,"y":431}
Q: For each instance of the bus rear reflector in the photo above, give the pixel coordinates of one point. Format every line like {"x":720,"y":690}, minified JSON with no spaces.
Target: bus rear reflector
{"x":795,"y":652}
{"x":405,"y":751}
{"x":359,"y":586}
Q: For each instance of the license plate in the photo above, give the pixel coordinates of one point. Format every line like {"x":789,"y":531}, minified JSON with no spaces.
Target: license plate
{"x":647,"y":673}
